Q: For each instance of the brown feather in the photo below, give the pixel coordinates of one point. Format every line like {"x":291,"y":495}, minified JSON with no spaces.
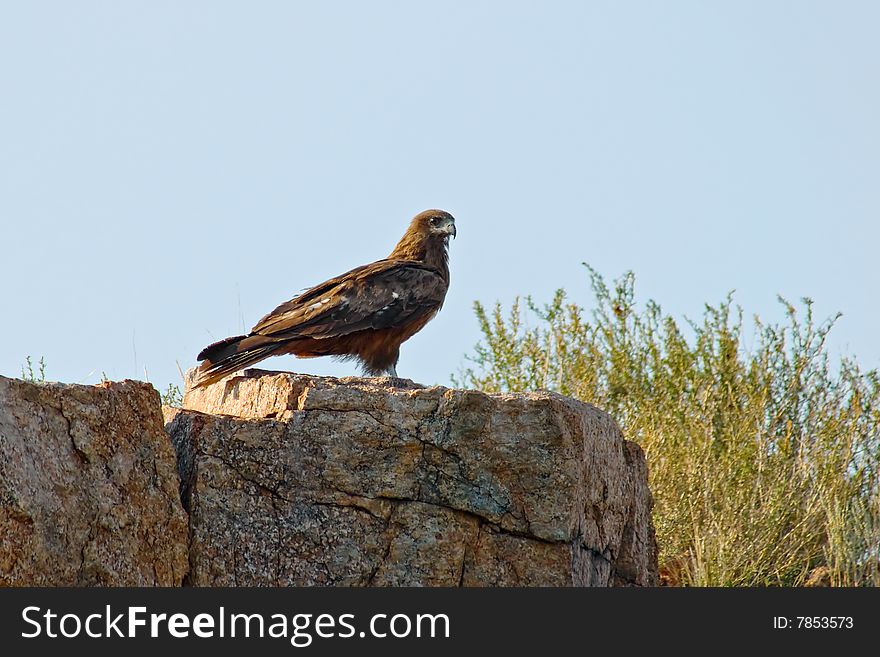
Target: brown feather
{"x":364,"y":314}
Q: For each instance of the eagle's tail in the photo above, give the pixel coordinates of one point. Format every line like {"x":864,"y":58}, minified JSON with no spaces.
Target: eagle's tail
{"x":232,"y":354}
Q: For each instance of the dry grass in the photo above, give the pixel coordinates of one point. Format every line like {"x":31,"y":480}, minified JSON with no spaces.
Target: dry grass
{"x":763,"y":461}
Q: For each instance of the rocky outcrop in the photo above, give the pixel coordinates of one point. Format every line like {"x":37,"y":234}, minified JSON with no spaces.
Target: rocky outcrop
{"x":88,"y":487}
{"x":299,"y":480}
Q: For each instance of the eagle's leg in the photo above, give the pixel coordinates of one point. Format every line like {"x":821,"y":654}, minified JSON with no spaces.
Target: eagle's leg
{"x":392,"y":370}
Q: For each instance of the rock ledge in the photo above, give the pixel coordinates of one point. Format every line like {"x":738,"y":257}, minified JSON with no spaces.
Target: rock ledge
{"x":299,"y":480}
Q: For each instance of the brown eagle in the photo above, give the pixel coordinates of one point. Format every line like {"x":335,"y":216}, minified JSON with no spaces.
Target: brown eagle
{"x":364,"y":314}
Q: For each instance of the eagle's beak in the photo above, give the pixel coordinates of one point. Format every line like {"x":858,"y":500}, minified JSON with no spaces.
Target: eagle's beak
{"x":450,"y":230}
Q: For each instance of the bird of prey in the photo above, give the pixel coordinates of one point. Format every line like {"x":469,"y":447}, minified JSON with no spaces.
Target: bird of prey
{"x":364,"y":314}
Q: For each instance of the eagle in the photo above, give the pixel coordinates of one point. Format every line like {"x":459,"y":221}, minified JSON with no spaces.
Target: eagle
{"x":364,"y":314}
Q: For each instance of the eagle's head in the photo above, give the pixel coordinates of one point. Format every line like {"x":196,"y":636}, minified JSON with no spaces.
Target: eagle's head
{"x":427,"y":239}
{"x":435,"y":223}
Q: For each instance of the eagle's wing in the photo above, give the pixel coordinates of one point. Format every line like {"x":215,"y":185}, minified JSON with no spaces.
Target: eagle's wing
{"x":380,"y":295}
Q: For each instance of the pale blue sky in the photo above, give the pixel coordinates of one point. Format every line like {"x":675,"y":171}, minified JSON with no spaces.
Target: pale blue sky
{"x":169,"y":170}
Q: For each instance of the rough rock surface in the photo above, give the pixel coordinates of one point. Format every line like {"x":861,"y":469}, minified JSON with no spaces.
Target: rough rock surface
{"x":88,"y":487}
{"x":309,"y":480}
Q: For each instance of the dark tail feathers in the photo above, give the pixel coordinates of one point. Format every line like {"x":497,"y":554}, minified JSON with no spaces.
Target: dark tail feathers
{"x":230,"y":355}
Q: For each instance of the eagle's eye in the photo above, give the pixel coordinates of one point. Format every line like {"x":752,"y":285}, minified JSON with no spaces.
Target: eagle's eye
{"x":434,"y":219}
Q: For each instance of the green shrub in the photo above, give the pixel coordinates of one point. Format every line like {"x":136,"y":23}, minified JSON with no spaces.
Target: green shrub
{"x":763,"y":461}
{"x":172,"y":396}
{"x":29,"y":374}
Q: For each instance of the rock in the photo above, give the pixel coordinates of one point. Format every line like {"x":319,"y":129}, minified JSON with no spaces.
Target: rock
{"x":298,"y":480}
{"x":88,"y":487}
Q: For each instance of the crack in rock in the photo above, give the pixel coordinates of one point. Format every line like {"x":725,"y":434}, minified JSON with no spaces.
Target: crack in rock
{"x":418,"y":485}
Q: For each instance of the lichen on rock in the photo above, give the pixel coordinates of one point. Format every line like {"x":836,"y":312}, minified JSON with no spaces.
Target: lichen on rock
{"x":88,"y":487}
{"x":300,"y":480}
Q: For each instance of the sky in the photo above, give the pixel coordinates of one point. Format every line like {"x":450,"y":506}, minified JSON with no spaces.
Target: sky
{"x":172,"y":171}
